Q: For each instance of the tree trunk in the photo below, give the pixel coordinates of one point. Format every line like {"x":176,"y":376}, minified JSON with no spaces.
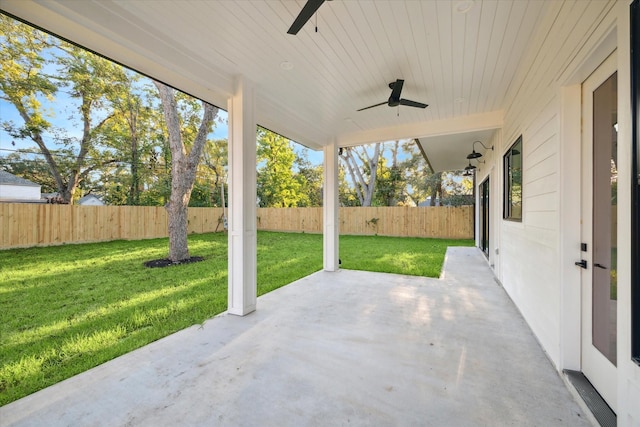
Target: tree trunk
{"x":436,"y":189}
{"x":373,"y":173}
{"x":351,"y":167}
{"x":36,"y":136}
{"x":134,"y":190}
{"x":364,"y":189}
{"x":177,"y":211}
{"x":183,"y":169}
{"x":394,"y":154}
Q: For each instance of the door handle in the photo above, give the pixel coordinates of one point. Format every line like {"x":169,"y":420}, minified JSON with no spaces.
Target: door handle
{"x":582,"y":263}
{"x":600,"y":266}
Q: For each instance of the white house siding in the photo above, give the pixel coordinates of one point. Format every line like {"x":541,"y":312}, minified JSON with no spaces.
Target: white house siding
{"x":19,"y":192}
{"x":526,"y":255}
{"x":529,"y":250}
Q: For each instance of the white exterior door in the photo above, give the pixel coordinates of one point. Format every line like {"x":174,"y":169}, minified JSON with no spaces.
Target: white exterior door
{"x":599,"y":229}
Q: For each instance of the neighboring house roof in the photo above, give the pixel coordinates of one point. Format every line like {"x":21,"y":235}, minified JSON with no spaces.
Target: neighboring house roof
{"x":10,"y":179}
{"x":90,"y":199}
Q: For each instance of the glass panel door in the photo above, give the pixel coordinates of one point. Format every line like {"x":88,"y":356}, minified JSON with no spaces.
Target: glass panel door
{"x":599,"y":229}
{"x":605,"y":200}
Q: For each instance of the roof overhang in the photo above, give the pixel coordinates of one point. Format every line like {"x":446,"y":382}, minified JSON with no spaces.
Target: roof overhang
{"x":448,"y":59}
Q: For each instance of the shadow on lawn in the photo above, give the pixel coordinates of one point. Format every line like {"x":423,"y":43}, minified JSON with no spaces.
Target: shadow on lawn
{"x":166,"y":262}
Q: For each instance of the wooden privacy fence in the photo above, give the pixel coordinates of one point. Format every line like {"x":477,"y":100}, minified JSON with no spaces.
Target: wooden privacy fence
{"x":24,"y":224}
{"x":438,"y":222}
{"x":443,"y":222}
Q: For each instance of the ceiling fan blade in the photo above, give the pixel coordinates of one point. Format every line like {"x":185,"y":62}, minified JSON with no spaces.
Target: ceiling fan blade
{"x":396,"y":89}
{"x":371,"y":106}
{"x":410,"y":103}
{"x":305,"y":14}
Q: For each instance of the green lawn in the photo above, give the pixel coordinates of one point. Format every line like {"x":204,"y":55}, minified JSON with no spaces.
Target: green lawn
{"x":403,"y":255}
{"x":68,"y":308}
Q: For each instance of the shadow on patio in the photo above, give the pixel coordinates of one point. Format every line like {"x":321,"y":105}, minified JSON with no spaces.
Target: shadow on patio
{"x":344,"y":348}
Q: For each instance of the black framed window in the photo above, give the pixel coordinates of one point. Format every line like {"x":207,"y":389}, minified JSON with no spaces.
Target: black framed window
{"x":484,"y":217}
{"x":635,"y":181}
{"x":512,"y":163}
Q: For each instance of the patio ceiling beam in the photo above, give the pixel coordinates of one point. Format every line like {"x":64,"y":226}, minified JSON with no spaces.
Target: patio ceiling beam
{"x":473,"y":122}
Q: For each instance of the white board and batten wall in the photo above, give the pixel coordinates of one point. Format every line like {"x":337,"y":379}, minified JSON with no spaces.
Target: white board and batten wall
{"x":534,"y":258}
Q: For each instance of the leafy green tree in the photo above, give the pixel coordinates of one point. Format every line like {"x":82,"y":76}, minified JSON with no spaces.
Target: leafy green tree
{"x":29,"y":165}
{"x":390,"y":181}
{"x":346,"y":194}
{"x":459,"y":189}
{"x":421,"y":182}
{"x":84,"y":77}
{"x":113,"y":186}
{"x":200,"y":194}
{"x":310,"y":178}
{"x":133,"y":133}
{"x":212,"y":172}
{"x":157,"y":193}
{"x":277,"y":185}
{"x":390,"y":185}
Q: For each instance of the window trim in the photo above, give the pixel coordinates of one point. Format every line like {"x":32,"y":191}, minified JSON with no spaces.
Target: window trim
{"x":507,"y":196}
{"x":485,"y":216}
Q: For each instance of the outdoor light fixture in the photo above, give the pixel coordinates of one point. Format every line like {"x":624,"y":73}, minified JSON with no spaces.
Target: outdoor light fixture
{"x":470,"y":167}
{"x":474,"y":154}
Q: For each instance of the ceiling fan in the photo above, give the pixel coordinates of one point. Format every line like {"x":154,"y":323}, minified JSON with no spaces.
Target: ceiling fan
{"x":395,"y":100}
{"x":305,"y":14}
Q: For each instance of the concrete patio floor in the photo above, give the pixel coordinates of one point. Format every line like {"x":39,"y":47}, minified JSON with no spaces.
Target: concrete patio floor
{"x":332,"y":349}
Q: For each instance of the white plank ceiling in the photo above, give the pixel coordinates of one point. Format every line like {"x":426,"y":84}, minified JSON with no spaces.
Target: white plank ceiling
{"x":460,"y":63}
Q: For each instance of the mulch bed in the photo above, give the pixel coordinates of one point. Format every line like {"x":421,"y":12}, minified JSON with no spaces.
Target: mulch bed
{"x":166,"y":262}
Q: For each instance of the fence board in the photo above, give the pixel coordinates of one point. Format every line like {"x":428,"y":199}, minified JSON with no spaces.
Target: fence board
{"x":24,"y":224}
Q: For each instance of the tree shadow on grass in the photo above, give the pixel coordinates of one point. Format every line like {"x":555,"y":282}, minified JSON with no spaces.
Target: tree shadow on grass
{"x":166,"y":262}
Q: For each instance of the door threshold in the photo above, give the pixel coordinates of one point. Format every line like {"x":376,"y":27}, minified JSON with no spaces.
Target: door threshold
{"x":592,"y":399}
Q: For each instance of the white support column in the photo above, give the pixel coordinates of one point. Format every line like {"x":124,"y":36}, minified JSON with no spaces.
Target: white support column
{"x":242,"y":267}
{"x":330,"y":208}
